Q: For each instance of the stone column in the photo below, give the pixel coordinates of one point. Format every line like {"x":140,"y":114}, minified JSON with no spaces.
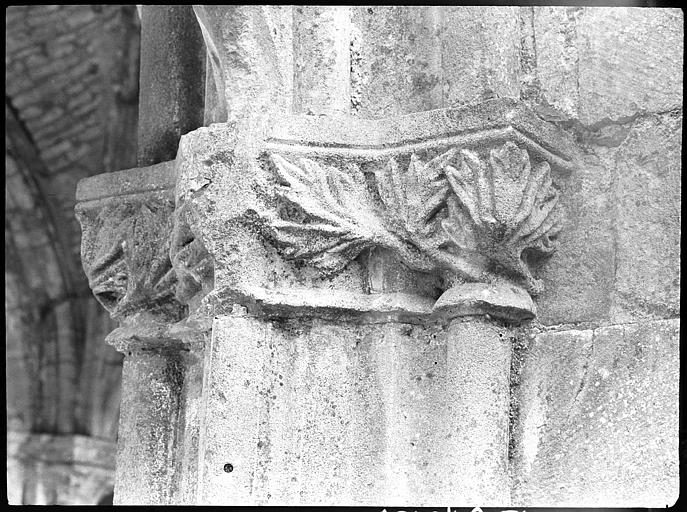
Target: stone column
{"x":126,"y":218}
{"x":128,"y":245}
{"x":172,"y":80}
{"x":355,"y":239}
{"x":363,"y":278}
{"x":319,"y":389}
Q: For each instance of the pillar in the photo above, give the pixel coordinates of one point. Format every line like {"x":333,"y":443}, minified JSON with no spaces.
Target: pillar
{"x":172,"y":80}
{"x":318,"y":307}
{"x":320,"y":388}
{"x":127,"y":220}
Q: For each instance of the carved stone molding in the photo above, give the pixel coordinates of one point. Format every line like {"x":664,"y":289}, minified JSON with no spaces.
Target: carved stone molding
{"x":456,"y":213}
{"x":464,"y":195}
{"x":126,"y":219}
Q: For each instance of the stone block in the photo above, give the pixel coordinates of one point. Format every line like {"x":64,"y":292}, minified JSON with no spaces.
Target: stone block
{"x":578,"y":278}
{"x":555,"y":48}
{"x":630,"y":60}
{"x":648,"y":197}
{"x":597,"y":421}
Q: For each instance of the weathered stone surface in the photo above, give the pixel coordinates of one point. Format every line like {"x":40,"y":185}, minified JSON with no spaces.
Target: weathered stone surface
{"x":126,"y":220}
{"x":335,"y":372}
{"x":193,"y":265}
{"x":480,"y":54}
{"x":366,"y":184}
{"x":629,"y":60}
{"x":152,"y":430}
{"x":287,"y":209}
{"x":648,"y":224}
{"x":598,"y":418}
{"x":358,"y":414}
{"x":250,"y":52}
{"x":555,"y":55}
{"x":395,"y":60}
{"x":578,"y":282}
{"x":131,"y":235}
{"x":172,"y":80}
{"x":600,"y":64}
{"x":321,"y":59}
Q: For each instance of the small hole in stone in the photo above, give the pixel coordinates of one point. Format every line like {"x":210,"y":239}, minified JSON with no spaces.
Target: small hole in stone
{"x":228,"y":468}
{"x":370,"y":11}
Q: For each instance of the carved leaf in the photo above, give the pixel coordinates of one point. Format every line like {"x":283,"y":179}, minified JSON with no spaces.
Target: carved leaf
{"x":344,"y":222}
{"x":496,"y":208}
{"x":191,"y":261}
{"x":504,"y":207}
{"x":126,"y":257}
{"x":412,"y":196}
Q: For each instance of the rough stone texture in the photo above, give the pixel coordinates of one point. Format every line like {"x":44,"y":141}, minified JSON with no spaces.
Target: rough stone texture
{"x":127,"y":225}
{"x":322,"y":59}
{"x":407,"y":157}
{"x":311,"y":412}
{"x":150,"y":407}
{"x":648,"y":225}
{"x":598,"y":418}
{"x":395,"y":60}
{"x":254,"y":438}
{"x":480,"y":54}
{"x":598,"y":65}
{"x":339,"y":408}
{"x":579,"y":280}
{"x":125,"y":246}
{"x":628,"y":61}
{"x":250,"y":51}
{"x":619,"y":258}
{"x":552,"y":57}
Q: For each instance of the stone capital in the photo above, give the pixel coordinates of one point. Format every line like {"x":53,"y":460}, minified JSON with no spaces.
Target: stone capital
{"x":126,"y":220}
{"x":464,"y":200}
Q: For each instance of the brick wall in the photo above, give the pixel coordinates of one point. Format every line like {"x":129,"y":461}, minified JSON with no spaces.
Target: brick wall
{"x":71,"y":108}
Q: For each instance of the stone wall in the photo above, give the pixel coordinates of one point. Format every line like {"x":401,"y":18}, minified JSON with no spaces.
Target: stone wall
{"x":595,"y":383}
{"x":601,"y":415}
{"x":219,"y":323}
{"x":71,"y":109}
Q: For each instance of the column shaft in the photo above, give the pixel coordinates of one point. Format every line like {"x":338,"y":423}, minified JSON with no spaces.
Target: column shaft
{"x":172,"y":80}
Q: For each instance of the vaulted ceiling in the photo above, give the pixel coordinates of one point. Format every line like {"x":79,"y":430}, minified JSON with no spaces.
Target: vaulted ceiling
{"x":71,"y":109}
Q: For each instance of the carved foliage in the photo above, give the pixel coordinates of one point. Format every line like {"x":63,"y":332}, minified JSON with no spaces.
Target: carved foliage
{"x":192,"y":263}
{"x":335,"y":219}
{"x":458,"y":212}
{"x":503,"y":207}
{"x":125,"y":254}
